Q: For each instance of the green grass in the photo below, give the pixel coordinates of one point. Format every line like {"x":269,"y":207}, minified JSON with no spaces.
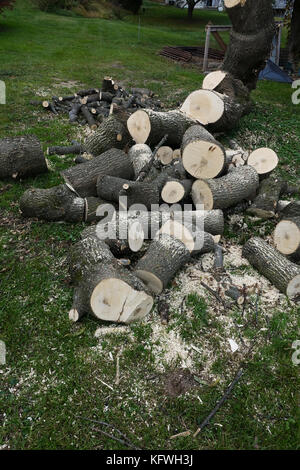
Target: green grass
{"x":55,"y":371}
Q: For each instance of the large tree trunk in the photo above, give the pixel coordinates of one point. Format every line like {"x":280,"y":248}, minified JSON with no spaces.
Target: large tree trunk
{"x":191,"y":7}
{"x":294,"y":37}
{"x":21,"y":157}
{"x":251,"y":38}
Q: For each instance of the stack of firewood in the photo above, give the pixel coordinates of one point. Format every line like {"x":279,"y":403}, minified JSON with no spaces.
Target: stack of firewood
{"x":93,"y":105}
{"x":153,"y":157}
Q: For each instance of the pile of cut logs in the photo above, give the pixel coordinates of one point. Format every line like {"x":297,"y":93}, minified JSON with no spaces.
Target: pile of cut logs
{"x":93,"y":105}
{"x":155,"y":157}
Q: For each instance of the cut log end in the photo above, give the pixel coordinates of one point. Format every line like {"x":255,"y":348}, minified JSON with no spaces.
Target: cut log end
{"x":135,"y":236}
{"x":287,"y":237}
{"x":173,"y":192}
{"x":177,"y":230}
{"x":264,"y":160}
{"x":293,"y":288}
{"x":139,"y":126}
{"x":165,"y":155}
{"x":213,"y":79}
{"x":74,"y":315}
{"x":127,"y":306}
{"x":234,"y":3}
{"x":202,"y":159}
{"x":151,"y":281}
{"x":202,"y":194}
{"x":204,"y":106}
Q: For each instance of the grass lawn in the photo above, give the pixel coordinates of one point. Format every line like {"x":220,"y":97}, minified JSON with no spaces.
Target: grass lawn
{"x":58,"y":374}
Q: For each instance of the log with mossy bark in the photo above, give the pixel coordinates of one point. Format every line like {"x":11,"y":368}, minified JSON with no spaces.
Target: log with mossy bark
{"x":202,"y":155}
{"x":287,"y":237}
{"x":59,"y":203}
{"x":273,"y":265}
{"x":111,"y":133}
{"x":147,"y":126}
{"x":220,"y":193}
{"x":83,"y":177}
{"x":21,"y":157}
{"x":165,"y":256}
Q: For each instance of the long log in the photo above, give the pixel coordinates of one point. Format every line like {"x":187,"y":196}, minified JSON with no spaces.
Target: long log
{"x":147,"y":126}
{"x":281,"y":272}
{"x":83,"y":177}
{"x":287,"y":237}
{"x":111,"y":133}
{"x":221,"y":193}
{"x":75,"y":149}
{"x":21,"y":157}
{"x":53,"y":204}
{"x":165,"y":256}
{"x":202,"y":155}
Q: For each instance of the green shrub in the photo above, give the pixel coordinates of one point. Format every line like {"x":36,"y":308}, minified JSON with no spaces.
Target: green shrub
{"x":131,"y":5}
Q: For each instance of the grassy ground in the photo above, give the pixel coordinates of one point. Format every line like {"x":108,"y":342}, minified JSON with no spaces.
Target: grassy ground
{"x":55,"y":372}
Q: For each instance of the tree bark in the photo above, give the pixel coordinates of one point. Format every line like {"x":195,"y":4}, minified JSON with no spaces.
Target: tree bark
{"x":111,"y":133}
{"x":21,"y":157}
{"x":281,"y":272}
{"x":265,"y":203}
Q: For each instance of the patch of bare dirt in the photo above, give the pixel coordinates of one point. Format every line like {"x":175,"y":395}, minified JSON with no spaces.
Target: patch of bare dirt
{"x":178,"y":382}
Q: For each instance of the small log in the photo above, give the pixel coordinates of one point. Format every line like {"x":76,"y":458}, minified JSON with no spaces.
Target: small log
{"x":287,"y":237}
{"x":111,"y":293}
{"x":165,"y":154}
{"x":53,"y":204}
{"x":83,"y":178}
{"x":111,"y":188}
{"x":165,"y":256}
{"x":108,"y":85}
{"x":265,"y":203}
{"x":264,"y":160}
{"x":21,"y":157}
{"x":90,"y":91}
{"x":75,"y":149}
{"x":89,"y":117}
{"x":175,"y":191}
{"x":111,"y":133}
{"x":218,"y":112}
{"x":74,"y":112}
{"x":290,"y":210}
{"x":147,"y":126}
{"x":241,"y":183}
{"x":139,"y":155}
{"x":281,"y":272}
{"x":202,"y":155}
{"x":92,"y":206}
{"x":106,"y":96}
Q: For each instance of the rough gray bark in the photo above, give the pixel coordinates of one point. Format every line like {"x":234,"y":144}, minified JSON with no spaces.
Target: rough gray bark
{"x":53,"y":204}
{"x":89,"y":117}
{"x":83,"y":177}
{"x":250,"y":40}
{"x":92,"y":204}
{"x":111,"y":133}
{"x":265,"y":203}
{"x":291,"y":210}
{"x":140,"y":155}
{"x":281,"y":272}
{"x":221,"y":193}
{"x":21,"y":157}
{"x":165,"y":256}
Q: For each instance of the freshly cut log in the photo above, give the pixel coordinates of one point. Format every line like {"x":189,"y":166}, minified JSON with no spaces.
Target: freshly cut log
{"x":111,"y":188}
{"x":196,"y":241}
{"x":74,"y":112}
{"x":264,"y":160}
{"x":281,"y":272}
{"x":75,"y":149}
{"x":234,"y":159}
{"x":218,"y":112}
{"x":21,"y":157}
{"x":85,"y":254}
{"x":176,"y":190}
{"x":113,"y":294}
{"x":53,"y":204}
{"x":287,"y":237}
{"x":165,"y":154}
{"x":165,"y":256}
{"x":111,"y":133}
{"x":139,"y":155}
{"x":253,"y":29}
{"x":290,"y":210}
{"x":226,"y":84}
{"x":147,"y":126}
{"x":83,"y":178}
{"x":265,"y":203}
{"x":241,"y":183}
{"x":89,"y":117}
{"x":202,"y":155}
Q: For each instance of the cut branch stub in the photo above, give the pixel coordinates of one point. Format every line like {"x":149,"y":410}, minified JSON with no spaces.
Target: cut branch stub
{"x":147,"y":126}
{"x":241,"y":183}
{"x":21,"y":157}
{"x":287,"y":237}
{"x":281,"y":272}
{"x":202,"y":155}
{"x":165,"y":256}
{"x":264,"y":160}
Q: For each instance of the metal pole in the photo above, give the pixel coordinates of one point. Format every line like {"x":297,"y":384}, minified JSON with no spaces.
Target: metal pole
{"x":205,"y":60}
